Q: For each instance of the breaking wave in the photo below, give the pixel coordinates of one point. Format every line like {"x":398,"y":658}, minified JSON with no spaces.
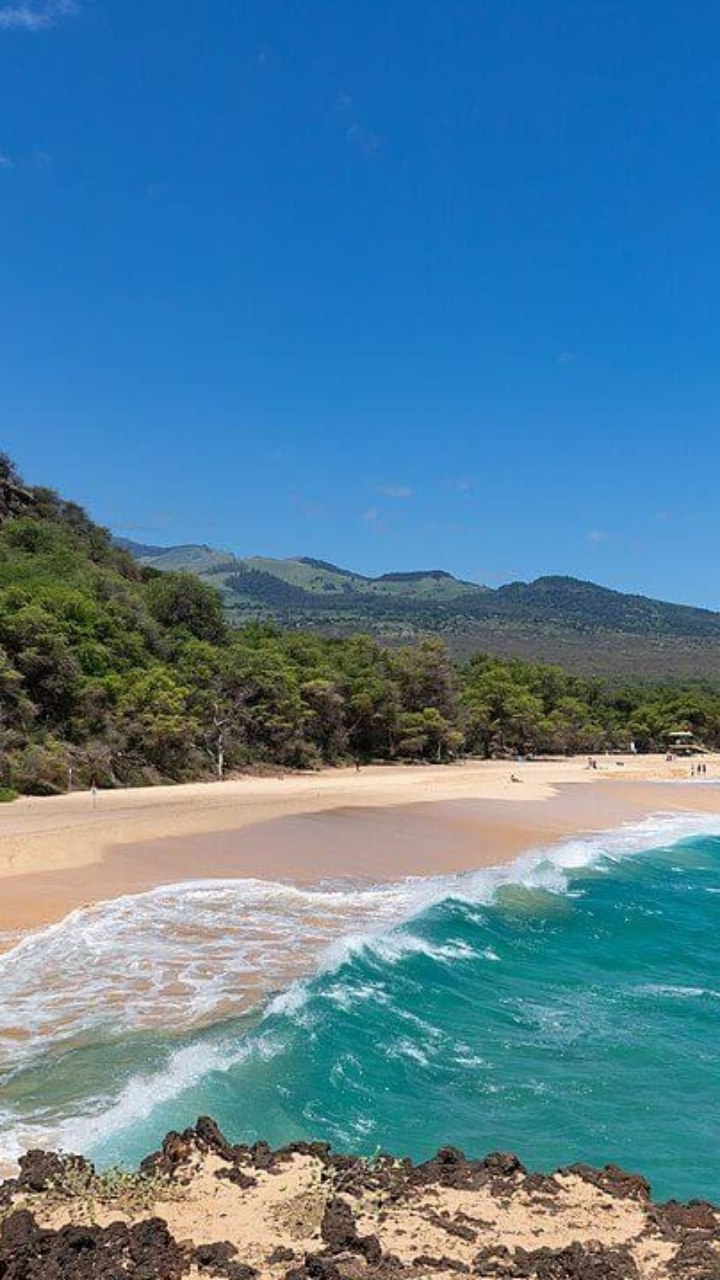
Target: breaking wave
{"x":293,"y":1012}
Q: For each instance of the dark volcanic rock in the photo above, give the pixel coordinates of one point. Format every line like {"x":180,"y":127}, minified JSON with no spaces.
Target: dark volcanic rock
{"x":176,"y":1150}
{"x":235,"y":1175}
{"x":615,"y":1181}
{"x":18,"y":1230}
{"x":494,"y":1260}
{"x":580,"y":1262}
{"x":317,"y":1267}
{"x":340,"y":1234}
{"x":458,"y":1229}
{"x":219,"y":1260}
{"x":145,"y":1251}
{"x":696,"y":1260}
{"x":577,"y":1262}
{"x":281,"y":1254}
{"x":698,"y":1215}
{"x":503,"y":1164}
{"x":42,"y":1169}
{"x":451,"y":1168}
{"x":426,"y":1262}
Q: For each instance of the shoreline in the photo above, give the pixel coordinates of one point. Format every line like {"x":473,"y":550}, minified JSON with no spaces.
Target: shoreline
{"x":384,"y":823}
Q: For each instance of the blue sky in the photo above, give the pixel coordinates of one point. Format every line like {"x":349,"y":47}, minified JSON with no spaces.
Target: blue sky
{"x":396,"y":283}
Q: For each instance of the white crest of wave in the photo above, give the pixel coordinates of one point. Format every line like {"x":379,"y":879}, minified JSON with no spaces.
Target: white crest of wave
{"x":176,"y":957}
{"x":673,"y":992}
{"x":186,"y":954}
{"x":189,"y":954}
{"x":135,"y":1102}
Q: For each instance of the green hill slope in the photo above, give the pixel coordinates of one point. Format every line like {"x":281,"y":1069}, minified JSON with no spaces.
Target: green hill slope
{"x":115,"y":672}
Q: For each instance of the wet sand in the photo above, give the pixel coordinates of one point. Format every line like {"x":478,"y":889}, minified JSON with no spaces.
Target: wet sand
{"x":59,"y":854}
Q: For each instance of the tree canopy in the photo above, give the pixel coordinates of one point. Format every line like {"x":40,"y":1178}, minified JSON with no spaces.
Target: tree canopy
{"x":117,"y":674}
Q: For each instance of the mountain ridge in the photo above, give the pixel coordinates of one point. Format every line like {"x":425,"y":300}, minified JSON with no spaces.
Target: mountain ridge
{"x":117,"y":673}
{"x":579,"y":623}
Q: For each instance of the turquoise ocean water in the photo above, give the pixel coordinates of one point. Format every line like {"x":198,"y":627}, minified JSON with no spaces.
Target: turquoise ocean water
{"x":566,"y":1007}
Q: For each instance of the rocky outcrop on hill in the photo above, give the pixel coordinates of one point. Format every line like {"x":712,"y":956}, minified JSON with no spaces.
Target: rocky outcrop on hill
{"x":15,"y":499}
{"x":202,"y":1207}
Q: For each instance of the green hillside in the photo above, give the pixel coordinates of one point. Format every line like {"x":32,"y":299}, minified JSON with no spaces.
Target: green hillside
{"x":579,"y":624}
{"x":114,"y":672}
{"x":316,"y":577}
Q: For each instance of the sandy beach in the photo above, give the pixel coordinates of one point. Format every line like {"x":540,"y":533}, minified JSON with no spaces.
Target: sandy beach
{"x":144,"y":1011}
{"x":384,"y":822}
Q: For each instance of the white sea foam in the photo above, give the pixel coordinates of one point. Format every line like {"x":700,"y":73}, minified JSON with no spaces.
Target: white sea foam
{"x":405,"y":1047}
{"x":135,"y":1102}
{"x":189,"y":954}
{"x":674,"y":992}
{"x":175,"y":957}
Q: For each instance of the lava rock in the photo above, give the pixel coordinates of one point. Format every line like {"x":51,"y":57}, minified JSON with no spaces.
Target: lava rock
{"x":340,"y":1233}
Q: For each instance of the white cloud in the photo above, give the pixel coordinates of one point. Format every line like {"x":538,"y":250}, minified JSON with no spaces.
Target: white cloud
{"x":32,"y":160}
{"x":371,"y":517}
{"x":598,"y":536}
{"x":394,"y":490}
{"x":37,"y":15}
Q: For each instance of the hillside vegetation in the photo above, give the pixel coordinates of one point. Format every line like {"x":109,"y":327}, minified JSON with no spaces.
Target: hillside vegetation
{"x":586,"y":627}
{"x":114,"y":672}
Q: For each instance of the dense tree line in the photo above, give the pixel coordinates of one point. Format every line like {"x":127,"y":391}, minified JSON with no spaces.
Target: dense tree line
{"x":125,"y":676}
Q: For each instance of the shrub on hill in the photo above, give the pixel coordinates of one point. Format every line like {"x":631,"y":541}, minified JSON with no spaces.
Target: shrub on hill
{"x":119,"y":675}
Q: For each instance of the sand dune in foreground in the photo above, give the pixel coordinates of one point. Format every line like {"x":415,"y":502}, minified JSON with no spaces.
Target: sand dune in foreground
{"x":206,"y":1208}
